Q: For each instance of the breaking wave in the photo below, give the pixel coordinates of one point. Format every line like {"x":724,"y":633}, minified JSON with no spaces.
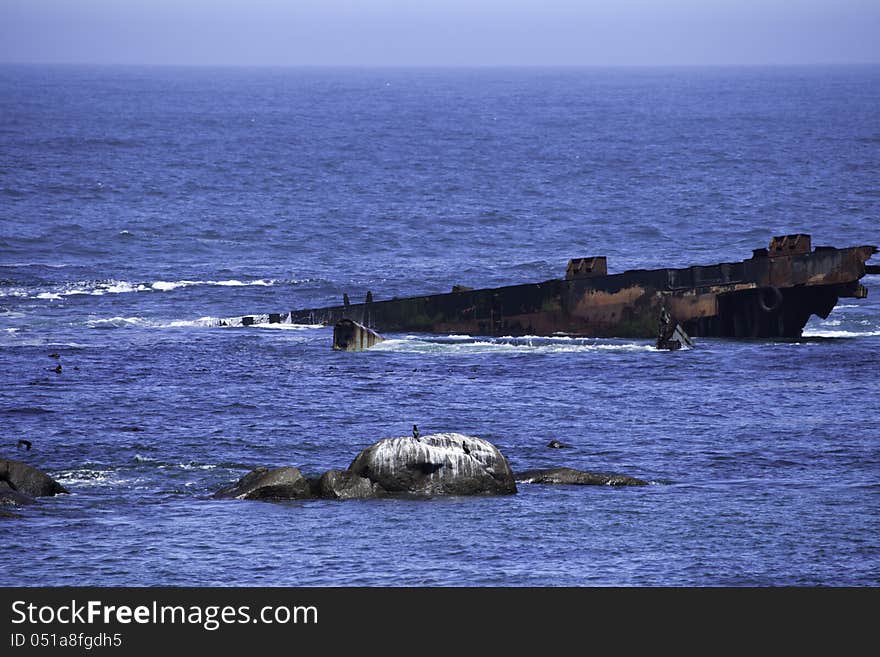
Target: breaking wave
{"x":201,"y":322}
{"x":166,"y":286}
{"x":112,"y":286}
{"x":289,"y":327}
{"x":141,"y":322}
{"x":508,"y":345}
{"x":826,"y":333}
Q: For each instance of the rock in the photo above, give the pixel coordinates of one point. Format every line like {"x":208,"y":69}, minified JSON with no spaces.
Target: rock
{"x":576,"y":477}
{"x":269,"y":484}
{"x":11,"y":497}
{"x":345,"y":485}
{"x":8,"y":514}
{"x":555,"y":444}
{"x":22,"y":478}
{"x":436,"y":464}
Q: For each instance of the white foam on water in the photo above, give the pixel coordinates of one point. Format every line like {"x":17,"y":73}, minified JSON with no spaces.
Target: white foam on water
{"x":200,"y":322}
{"x":100,"y":288}
{"x":124,"y":286}
{"x":87,"y":478}
{"x":821,"y":333}
{"x":261,"y":282}
{"x":117,"y":322}
{"x":128,"y":322}
{"x":510,"y":346}
{"x":112,"y":286}
{"x":165,"y":286}
{"x":847,"y":305}
{"x":286,"y":327}
{"x":189,"y":466}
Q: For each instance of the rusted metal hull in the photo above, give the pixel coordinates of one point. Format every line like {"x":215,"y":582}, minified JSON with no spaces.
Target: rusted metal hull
{"x":771,"y":294}
{"x":348,"y":335}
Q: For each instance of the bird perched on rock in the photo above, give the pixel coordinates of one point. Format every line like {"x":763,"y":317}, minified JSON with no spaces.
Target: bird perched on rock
{"x":415,"y":432}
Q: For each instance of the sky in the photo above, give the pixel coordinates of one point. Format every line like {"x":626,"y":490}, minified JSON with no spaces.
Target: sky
{"x":441,"y":32}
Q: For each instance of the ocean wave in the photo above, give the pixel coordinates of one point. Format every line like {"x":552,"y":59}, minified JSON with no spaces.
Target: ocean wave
{"x":142,"y":322}
{"x":112,"y":286}
{"x":100,"y":288}
{"x":822,"y":333}
{"x":288,"y":327}
{"x":502,"y":346}
{"x":167,"y":286}
{"x":201,"y":322}
{"x":117,"y":322}
{"x":192,"y":465}
{"x":87,"y":477}
{"x":180,"y":323}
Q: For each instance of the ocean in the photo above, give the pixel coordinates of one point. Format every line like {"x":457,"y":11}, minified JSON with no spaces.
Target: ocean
{"x":138,"y":206}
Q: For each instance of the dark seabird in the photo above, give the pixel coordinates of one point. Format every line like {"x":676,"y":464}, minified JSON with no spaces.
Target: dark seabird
{"x":57,"y":369}
{"x":54,"y":355}
{"x":345,"y":301}
{"x":466,"y":450}
{"x":24,"y":443}
{"x":369,"y":297}
{"x":415,"y":432}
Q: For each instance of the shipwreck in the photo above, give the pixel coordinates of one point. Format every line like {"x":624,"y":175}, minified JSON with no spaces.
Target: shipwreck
{"x":772,"y":294}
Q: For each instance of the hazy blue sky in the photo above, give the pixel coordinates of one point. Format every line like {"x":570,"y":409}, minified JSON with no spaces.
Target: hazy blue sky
{"x":440,"y":32}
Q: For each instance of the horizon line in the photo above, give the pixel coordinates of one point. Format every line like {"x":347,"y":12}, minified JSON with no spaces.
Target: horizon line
{"x":435,"y":66}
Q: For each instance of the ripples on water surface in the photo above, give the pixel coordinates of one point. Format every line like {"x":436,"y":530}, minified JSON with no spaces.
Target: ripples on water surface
{"x":139,"y":206}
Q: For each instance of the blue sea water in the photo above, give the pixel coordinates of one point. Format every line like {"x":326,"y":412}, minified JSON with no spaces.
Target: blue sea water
{"x":138,"y":205}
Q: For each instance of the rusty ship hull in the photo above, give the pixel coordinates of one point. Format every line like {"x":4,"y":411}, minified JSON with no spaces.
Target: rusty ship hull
{"x":770,"y":295}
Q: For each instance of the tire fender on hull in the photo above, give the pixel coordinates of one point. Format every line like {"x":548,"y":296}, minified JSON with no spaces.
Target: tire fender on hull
{"x":769,"y":299}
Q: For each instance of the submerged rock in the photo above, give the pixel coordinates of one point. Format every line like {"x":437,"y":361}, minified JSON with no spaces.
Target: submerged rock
{"x":25,"y":479}
{"x":437,"y":464}
{"x":555,"y":444}
{"x":346,"y":485}
{"x":269,"y":484}
{"x":11,"y":497}
{"x":576,"y":477}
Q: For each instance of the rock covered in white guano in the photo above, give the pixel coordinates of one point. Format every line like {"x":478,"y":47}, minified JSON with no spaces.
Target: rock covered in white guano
{"x":436,"y":464}
{"x":269,"y":484}
{"x":27,"y":480}
{"x":574,"y":477}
